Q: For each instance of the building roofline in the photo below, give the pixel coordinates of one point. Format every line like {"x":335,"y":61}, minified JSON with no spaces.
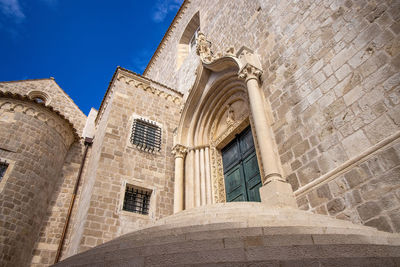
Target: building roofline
{"x":27,"y":80}
{"x":150,"y":80}
{"x":48,"y":107}
{"x":135,"y":74}
{"x":51,"y":79}
{"x":165,"y":37}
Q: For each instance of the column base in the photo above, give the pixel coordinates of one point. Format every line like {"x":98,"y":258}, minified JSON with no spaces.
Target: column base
{"x":278,"y":194}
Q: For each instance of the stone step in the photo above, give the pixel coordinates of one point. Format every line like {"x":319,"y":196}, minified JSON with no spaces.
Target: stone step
{"x":234,"y":234}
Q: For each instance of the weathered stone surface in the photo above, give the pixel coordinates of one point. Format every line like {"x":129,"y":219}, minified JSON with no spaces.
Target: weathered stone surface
{"x":335,"y":206}
{"x":356,"y":143}
{"x":380,"y":223}
{"x":308,"y":173}
{"x":357,"y":175}
{"x":368,"y":210}
{"x":320,"y":195}
{"x":353,"y":198}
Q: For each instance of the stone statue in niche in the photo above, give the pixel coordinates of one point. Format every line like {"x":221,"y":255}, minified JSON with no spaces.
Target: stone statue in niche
{"x":230,"y":119}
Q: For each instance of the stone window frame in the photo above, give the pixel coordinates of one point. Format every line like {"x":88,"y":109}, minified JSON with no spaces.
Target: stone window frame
{"x":34,"y":94}
{"x":142,"y":197}
{"x":131,"y":120}
{"x":184,"y":44}
{"x":193,"y":40}
{"x":153,"y":197}
{"x":10,"y":167}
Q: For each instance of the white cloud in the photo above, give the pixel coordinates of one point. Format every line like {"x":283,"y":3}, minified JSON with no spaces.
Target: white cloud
{"x":12,"y":8}
{"x":163,"y":7}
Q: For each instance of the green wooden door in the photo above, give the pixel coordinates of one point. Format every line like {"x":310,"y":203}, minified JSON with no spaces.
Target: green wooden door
{"x":241,"y":172}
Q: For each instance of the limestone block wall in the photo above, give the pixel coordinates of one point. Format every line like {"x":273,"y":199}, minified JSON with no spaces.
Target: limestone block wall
{"x":118,"y":162}
{"x":51,"y":229}
{"x":331,"y":77}
{"x":34,"y":140}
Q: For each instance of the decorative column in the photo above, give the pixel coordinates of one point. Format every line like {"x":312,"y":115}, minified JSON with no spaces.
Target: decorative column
{"x":179,"y":151}
{"x":275,"y":191}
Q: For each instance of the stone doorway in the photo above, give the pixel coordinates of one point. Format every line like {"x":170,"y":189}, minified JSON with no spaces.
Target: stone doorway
{"x":241,"y":171}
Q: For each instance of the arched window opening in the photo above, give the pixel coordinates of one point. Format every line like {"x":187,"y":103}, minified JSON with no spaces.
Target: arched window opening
{"x":39,"y":97}
{"x":187,"y":43}
{"x":39,"y":100}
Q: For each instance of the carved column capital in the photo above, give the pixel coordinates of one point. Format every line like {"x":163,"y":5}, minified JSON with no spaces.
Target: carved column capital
{"x":179,"y":151}
{"x":249,"y":72}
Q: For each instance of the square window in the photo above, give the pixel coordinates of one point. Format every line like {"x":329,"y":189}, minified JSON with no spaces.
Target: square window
{"x":146,"y":135}
{"x":3,"y":168}
{"x":137,"y":199}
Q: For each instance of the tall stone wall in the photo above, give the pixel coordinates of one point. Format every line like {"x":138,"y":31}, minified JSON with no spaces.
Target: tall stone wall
{"x":119,"y":162}
{"x":34,"y":141}
{"x":44,"y":248}
{"x":331,"y":77}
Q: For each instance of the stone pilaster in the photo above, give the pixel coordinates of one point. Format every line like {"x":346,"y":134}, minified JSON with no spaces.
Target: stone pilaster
{"x":179,"y":152}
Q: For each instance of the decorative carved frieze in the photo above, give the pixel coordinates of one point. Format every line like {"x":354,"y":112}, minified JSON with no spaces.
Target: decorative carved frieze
{"x":147,"y":88}
{"x":63,"y":127}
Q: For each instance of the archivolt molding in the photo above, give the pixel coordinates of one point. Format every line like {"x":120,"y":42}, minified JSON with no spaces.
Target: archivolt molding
{"x":47,"y":115}
{"x":217,"y":106}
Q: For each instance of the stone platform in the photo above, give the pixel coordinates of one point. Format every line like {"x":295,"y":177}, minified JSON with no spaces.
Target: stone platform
{"x":246,"y":234}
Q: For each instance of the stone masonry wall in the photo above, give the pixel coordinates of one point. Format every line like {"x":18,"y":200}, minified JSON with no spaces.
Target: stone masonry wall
{"x":45,"y":249}
{"x":120,"y":162}
{"x":46,"y":243}
{"x":332,"y":78}
{"x":58,"y":99}
{"x":34,"y":140}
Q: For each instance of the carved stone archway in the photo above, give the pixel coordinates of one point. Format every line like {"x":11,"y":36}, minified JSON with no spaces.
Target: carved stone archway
{"x":224,"y":98}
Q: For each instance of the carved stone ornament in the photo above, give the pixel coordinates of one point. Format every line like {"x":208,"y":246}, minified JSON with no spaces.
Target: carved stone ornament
{"x":249,"y":72}
{"x":179,"y":151}
{"x":203,"y":49}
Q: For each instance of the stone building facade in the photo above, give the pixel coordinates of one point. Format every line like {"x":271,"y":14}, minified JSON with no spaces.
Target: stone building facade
{"x":317,"y":83}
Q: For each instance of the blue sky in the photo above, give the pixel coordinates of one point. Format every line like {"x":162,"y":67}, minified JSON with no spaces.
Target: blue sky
{"x":80,"y":42}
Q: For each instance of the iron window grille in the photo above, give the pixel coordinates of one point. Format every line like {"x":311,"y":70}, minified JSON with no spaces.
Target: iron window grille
{"x":146,"y":135}
{"x":3,"y":168}
{"x":136,"y":200}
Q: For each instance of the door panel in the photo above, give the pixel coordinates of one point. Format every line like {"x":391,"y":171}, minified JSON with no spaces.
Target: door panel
{"x":234,"y":185}
{"x":241,"y":172}
{"x":246,"y":142}
{"x":230,"y":155}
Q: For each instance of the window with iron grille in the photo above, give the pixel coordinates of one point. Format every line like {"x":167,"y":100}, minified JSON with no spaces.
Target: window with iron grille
{"x":3,"y":168}
{"x":137,"y":199}
{"x":146,"y":135}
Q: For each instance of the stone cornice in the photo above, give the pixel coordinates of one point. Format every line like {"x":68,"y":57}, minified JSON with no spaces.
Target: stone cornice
{"x":49,"y":108}
{"x":17,"y":103}
{"x":145,"y":84}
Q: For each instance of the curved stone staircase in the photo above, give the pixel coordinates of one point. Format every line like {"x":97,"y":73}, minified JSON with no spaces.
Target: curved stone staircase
{"x":246,"y":234}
